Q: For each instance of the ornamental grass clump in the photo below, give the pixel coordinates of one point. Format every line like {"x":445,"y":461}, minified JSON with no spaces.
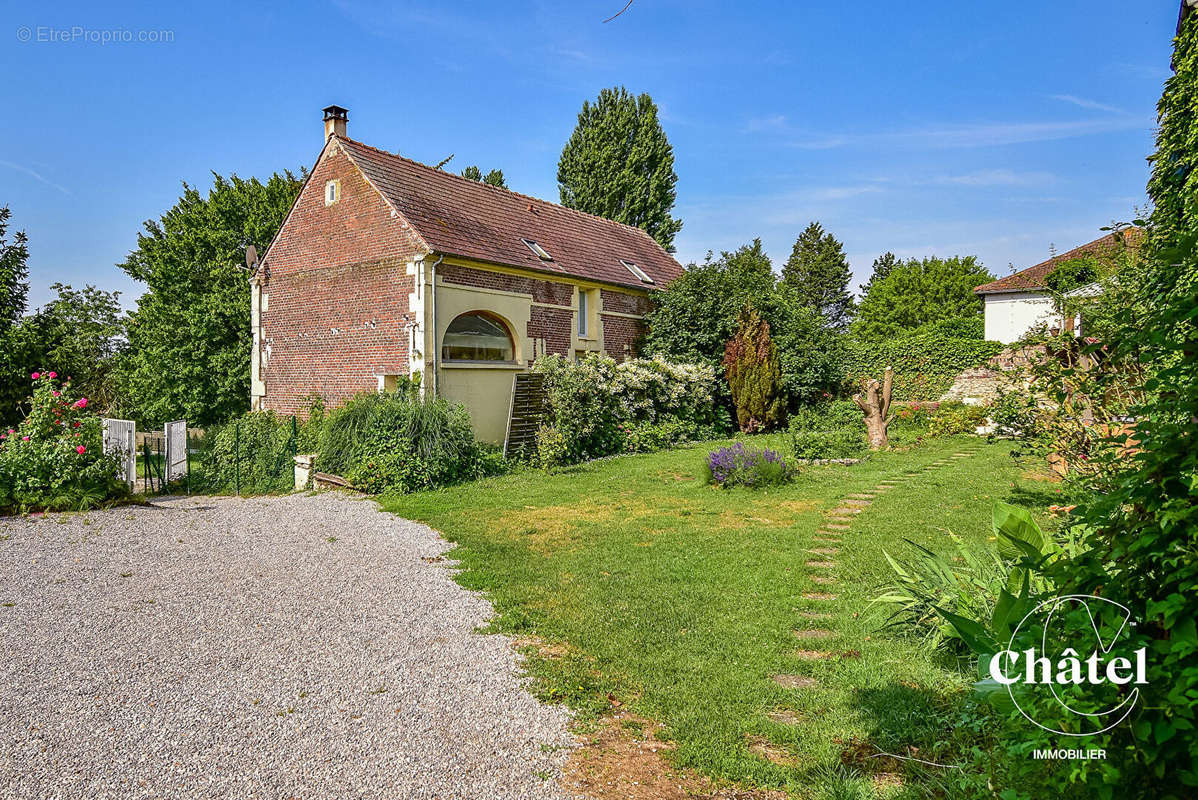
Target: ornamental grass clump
{"x":54,"y":459}
{"x":738,"y":465}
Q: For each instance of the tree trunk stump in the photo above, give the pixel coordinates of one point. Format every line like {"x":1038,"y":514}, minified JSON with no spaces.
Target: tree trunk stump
{"x":875,"y":405}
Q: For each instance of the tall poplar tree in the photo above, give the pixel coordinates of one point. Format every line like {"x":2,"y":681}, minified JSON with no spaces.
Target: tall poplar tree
{"x":618,"y":164}
{"x":819,"y":273}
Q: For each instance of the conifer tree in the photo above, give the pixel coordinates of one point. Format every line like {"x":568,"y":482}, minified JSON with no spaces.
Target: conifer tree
{"x":14,"y":274}
{"x":754,"y":374}
{"x":819,"y":273}
{"x":618,"y":164}
{"x":883,"y":266}
{"x":492,"y":178}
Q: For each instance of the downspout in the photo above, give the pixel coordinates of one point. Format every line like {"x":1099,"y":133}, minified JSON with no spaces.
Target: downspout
{"x":433,"y":314}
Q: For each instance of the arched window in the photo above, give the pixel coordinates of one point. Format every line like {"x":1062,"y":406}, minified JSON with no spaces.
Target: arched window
{"x":477,"y":336}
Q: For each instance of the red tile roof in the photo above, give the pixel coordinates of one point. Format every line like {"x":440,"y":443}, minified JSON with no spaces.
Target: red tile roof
{"x":460,"y":217}
{"x":1032,"y":278}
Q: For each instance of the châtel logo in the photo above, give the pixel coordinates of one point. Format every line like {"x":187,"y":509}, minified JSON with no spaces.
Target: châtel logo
{"x":1063,"y":663}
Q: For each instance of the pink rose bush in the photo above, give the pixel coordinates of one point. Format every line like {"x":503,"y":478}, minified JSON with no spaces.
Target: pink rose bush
{"x":54,"y":458}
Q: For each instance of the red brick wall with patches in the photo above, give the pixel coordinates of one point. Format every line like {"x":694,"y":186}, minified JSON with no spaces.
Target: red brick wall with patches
{"x":542,"y":291}
{"x":337,"y":297}
{"x":621,"y":334}
{"x":555,"y":325}
{"x":625,"y":303}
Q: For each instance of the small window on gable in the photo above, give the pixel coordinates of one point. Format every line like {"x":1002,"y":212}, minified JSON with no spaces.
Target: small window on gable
{"x":537,"y":250}
{"x":640,"y":274}
{"x":332,"y":192}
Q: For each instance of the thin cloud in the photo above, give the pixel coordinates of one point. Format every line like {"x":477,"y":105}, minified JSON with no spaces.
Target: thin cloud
{"x":974,"y":135}
{"x":774,"y":122}
{"x":996,"y":177}
{"x":844,"y":192}
{"x":1082,"y":102}
{"x":35,"y":175}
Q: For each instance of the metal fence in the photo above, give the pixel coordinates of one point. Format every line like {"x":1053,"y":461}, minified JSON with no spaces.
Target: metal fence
{"x":164,"y":457}
{"x":244,"y":454}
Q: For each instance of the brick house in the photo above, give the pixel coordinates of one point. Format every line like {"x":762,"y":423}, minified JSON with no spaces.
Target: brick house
{"x":386,"y":267}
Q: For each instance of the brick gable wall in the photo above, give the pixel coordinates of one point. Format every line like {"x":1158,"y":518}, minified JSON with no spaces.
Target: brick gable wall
{"x":337,"y":298}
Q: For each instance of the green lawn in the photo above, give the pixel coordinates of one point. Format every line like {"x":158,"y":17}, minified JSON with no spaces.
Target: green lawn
{"x":681,"y":601}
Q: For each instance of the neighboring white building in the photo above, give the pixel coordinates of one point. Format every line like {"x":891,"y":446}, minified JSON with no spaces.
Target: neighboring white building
{"x":1017,"y":303}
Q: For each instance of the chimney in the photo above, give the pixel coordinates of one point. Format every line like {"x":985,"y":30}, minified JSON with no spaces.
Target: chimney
{"x":335,"y":118}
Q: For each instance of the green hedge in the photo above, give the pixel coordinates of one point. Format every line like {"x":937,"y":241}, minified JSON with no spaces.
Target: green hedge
{"x":925,"y":363}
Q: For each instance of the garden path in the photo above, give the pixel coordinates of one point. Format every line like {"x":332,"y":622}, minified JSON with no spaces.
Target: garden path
{"x":821,"y":570}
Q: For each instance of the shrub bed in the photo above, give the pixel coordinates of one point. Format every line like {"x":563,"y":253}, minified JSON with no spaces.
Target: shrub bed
{"x":832,"y":430}
{"x":395,"y":442}
{"x":53,"y":459}
{"x":597,"y":407}
{"x":950,"y":419}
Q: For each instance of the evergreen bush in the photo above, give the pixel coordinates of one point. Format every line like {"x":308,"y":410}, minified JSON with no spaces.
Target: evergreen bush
{"x":754,"y":374}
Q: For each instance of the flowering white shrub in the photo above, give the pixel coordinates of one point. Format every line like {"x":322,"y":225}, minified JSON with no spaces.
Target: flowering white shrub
{"x":601,"y":407}
{"x":651,"y":389}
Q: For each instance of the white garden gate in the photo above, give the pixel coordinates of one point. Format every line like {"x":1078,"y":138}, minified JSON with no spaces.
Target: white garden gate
{"x":120,"y":436}
{"x":175,"y":434}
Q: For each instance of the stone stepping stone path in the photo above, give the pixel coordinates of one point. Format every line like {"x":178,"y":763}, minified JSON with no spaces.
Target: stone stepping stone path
{"x":810,"y":655}
{"x":764,"y":748}
{"x":836,"y":522}
{"x":784,"y":716}
{"x":794,"y":681}
{"x":817,"y":614}
{"x":814,"y":633}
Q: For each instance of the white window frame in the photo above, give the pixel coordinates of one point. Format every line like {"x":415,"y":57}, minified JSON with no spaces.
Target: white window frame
{"x":332,"y":192}
{"x":583,"y":314}
{"x":537,"y":250}
{"x":641,"y":275}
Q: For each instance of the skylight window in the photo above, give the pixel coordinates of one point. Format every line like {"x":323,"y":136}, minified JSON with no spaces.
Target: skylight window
{"x":637,"y":271}
{"x":537,"y":250}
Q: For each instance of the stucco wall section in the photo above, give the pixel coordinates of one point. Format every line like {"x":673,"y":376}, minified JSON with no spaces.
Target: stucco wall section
{"x":1009,"y":316}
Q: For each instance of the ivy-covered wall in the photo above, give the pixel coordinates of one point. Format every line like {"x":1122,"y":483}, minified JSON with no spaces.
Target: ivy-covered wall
{"x":925,"y":364}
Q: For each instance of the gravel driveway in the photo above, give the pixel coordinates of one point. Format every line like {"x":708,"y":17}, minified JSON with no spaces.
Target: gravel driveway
{"x":289,"y":647}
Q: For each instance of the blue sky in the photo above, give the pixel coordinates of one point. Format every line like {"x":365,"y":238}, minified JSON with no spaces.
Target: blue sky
{"x":924,"y":128}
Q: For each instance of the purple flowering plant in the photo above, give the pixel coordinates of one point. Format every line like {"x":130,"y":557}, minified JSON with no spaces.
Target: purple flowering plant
{"x":741,"y":465}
